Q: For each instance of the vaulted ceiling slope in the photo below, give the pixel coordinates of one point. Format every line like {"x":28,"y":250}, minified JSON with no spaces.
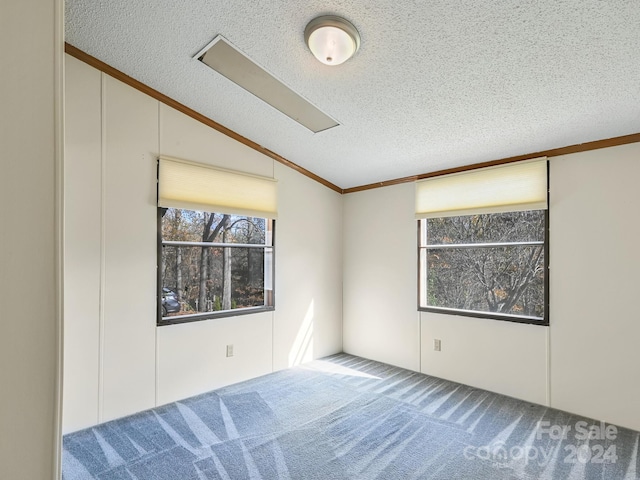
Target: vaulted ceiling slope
{"x":435,"y":85}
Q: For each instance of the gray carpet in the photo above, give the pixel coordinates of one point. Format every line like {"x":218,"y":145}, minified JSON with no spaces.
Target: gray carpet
{"x":345,"y":417}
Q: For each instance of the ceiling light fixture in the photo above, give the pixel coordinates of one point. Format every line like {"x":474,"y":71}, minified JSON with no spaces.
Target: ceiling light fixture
{"x":331,"y":39}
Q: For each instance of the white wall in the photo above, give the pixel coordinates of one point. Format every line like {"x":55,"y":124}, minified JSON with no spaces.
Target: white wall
{"x":118,"y":361}
{"x":595,"y":265}
{"x":584,"y":362}
{"x":381,"y":320}
{"x":129,"y":230}
{"x":364,"y":243}
{"x":83,"y":238}
{"x":308,"y":316}
{"x":504,"y":357}
{"x":111,"y":138}
{"x":31,"y":88}
{"x":192,"y":356}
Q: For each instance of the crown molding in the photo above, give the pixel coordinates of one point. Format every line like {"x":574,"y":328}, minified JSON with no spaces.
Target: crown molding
{"x":132,"y":82}
{"x":554,"y":152}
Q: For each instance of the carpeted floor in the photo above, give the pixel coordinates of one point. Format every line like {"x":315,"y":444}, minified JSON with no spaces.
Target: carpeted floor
{"x":345,"y":417}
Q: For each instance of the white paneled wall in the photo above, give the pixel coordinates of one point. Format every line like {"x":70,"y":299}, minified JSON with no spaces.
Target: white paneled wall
{"x":308,"y":271}
{"x":118,"y":361}
{"x":192,"y":357}
{"x":83,"y":232}
{"x":361,"y":246}
{"x":184,"y":137}
{"x":586,"y":360}
{"x":505,"y":357}
{"x":380,"y":281}
{"x":380,"y":307}
{"x":595,"y":271}
{"x":130,"y":143}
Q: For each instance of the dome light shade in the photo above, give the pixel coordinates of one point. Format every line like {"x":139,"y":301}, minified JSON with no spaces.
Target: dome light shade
{"x":332,"y":40}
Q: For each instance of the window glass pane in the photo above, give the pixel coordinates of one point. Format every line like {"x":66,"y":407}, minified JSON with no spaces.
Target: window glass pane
{"x":508,"y":280}
{"x":197,"y":293}
{"x":487,"y":228}
{"x":199,"y":279}
{"x":193,"y":226}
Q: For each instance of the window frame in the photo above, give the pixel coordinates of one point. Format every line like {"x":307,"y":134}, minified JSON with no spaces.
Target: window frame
{"x":422,"y":276}
{"x":197,"y":317}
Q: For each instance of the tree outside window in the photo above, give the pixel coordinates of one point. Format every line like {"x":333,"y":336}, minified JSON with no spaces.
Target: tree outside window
{"x":213,"y":264}
{"x":488,"y":264}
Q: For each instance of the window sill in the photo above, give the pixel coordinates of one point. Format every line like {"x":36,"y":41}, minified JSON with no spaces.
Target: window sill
{"x":488,"y":315}
{"x":198,"y":317}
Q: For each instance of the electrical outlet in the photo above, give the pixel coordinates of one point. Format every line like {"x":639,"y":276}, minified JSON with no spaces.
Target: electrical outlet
{"x":230,"y":350}
{"x":437,"y":345}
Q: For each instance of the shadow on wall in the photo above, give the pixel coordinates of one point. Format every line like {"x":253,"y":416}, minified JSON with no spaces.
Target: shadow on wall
{"x":302,"y":349}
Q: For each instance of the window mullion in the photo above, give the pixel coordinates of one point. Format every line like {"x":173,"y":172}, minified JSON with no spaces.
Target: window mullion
{"x":483,"y":245}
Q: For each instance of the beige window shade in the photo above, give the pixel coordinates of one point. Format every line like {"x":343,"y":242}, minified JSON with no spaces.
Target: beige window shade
{"x":502,"y":188}
{"x":194,"y":186}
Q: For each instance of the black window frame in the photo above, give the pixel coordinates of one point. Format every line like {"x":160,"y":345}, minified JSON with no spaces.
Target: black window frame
{"x":197,"y":317}
{"x":422,"y":276}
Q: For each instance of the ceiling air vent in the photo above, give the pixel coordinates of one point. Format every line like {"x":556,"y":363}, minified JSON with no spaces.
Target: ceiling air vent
{"x":228,"y":61}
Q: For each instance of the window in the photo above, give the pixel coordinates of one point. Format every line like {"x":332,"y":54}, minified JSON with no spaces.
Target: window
{"x":215,"y":241}
{"x":491,"y":265}
{"x":483,"y":242}
{"x":213,"y":264}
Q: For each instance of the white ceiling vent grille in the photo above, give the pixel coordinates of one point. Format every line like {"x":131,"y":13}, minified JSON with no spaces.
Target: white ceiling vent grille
{"x":228,"y":61}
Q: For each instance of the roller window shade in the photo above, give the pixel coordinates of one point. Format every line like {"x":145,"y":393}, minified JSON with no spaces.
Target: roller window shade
{"x":502,"y":188}
{"x":194,"y":186}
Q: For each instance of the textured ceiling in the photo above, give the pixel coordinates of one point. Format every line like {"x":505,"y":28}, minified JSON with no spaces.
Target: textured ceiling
{"x":436,"y":84}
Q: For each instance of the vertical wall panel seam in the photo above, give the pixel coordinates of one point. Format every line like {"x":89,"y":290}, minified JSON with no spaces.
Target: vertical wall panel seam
{"x":103,"y":181}
{"x":157,"y":352}
{"x":343,"y":199}
{"x":548,"y":273}
{"x":341,"y":273}
{"x":420,"y":342}
{"x":273,"y":314}
{"x":548,"y":359}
